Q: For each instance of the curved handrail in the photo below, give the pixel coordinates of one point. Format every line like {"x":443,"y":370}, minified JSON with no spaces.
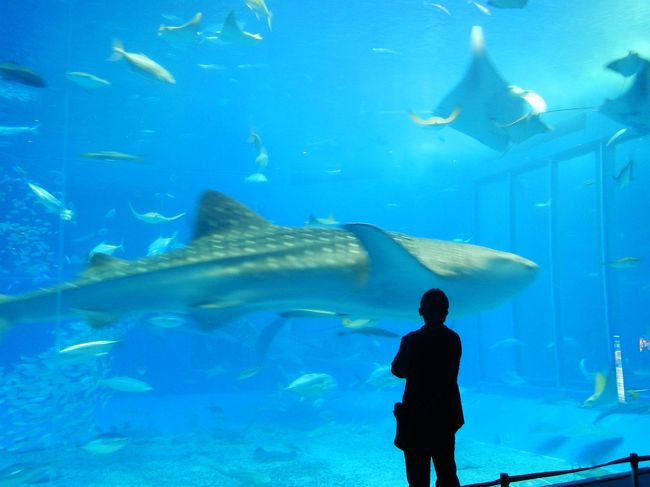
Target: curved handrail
{"x":505,"y":480}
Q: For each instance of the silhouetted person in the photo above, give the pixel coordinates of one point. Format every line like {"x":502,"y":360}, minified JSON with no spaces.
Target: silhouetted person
{"x":430,"y":412}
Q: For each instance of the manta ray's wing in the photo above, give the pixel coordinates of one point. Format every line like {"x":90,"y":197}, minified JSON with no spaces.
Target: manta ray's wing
{"x":489,"y":106}
{"x":632,"y":108}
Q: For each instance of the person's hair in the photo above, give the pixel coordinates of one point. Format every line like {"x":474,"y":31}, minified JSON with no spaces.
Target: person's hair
{"x":434,"y":306}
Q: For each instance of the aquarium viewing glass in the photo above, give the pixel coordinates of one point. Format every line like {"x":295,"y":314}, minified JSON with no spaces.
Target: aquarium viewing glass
{"x":218,"y":217}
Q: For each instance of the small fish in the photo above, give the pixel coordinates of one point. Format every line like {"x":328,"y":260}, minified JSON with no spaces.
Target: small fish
{"x":248,"y":373}
{"x":382,"y":377}
{"x":160,"y":245}
{"x":616,"y":135}
{"x":482,"y":8}
{"x":439,"y":6}
{"x":507,"y":3}
{"x":506,"y":343}
{"x":588,"y":182}
{"x":249,"y":66}
{"x":463,"y":238}
{"x":141,"y":63}
{"x":166,"y":321}
{"x":262,"y":159}
{"x":628,"y":65}
{"x":385,"y":50}
{"x":325,"y":221}
{"x":109,"y":155}
{"x":51,"y":203}
{"x":256,"y":177}
{"x":212,"y":67}
{"x":105,"y":444}
{"x":232,"y":33}
{"x":87,"y":350}
{"x":21,"y":74}
{"x":87,"y":81}
{"x":625,"y":175}
{"x":126,"y":384}
{"x":10,"y":131}
{"x":624,"y":263}
{"x":23,"y":473}
{"x":155,"y":217}
{"x":260,"y":9}
{"x":372,"y":331}
{"x":105,"y":248}
{"x":358,"y":322}
{"x":312,"y":385}
{"x":436,"y":120}
{"x":644,"y":344}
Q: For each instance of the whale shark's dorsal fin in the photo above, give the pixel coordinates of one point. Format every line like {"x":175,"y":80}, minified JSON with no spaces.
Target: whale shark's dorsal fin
{"x":219,"y":213}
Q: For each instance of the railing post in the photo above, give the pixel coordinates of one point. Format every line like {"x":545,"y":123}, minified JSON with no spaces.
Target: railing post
{"x":504,"y":480}
{"x":634,"y":463}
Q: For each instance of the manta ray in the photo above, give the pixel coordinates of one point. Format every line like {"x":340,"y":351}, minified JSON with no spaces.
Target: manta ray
{"x":489,"y":109}
{"x":632,"y":108}
{"x":239,"y":263}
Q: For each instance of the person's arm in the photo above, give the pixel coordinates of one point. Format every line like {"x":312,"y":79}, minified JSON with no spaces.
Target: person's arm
{"x":458,"y":352}
{"x":400,"y":365}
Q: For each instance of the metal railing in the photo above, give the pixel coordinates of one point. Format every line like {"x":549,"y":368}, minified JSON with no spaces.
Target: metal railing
{"x":505,"y":480}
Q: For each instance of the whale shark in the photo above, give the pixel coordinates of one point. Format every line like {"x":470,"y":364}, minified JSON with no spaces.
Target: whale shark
{"x":240,"y":263}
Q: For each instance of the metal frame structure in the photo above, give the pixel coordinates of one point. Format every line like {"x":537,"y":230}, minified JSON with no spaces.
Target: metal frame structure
{"x":603,"y":153}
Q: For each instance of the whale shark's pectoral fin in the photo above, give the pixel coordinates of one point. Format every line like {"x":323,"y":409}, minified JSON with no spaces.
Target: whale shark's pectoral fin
{"x":266,"y":337}
{"x":389,"y":260}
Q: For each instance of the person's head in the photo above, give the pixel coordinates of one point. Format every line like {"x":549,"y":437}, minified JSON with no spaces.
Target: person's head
{"x":434,"y":306}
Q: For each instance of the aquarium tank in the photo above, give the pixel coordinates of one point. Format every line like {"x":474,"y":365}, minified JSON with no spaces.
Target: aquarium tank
{"x":218,"y":218}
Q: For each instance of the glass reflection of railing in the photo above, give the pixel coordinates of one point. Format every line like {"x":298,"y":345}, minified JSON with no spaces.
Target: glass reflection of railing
{"x":505,"y":480}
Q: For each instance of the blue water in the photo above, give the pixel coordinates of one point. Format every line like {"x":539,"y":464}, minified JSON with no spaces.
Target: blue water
{"x":328,"y":91}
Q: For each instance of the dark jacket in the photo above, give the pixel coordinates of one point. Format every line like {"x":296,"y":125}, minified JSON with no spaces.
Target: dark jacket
{"x":429,"y":360}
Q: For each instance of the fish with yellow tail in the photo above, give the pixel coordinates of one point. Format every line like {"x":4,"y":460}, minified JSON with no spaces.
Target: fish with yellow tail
{"x":141,"y":63}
